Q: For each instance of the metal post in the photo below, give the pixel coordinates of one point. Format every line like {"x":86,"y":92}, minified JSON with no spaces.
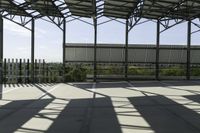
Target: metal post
{"x":36,"y":71}
{"x":5,"y":71}
{"x":28,"y":72}
{"x":64,"y":41}
{"x":188,"y":50}
{"x":126,"y":51}
{"x":95,"y":49}
{"x":95,"y":42}
{"x":20,"y":71}
{"x":157,"y":49}
{"x":1,"y":50}
{"x":43,"y":71}
{"x":32,"y":50}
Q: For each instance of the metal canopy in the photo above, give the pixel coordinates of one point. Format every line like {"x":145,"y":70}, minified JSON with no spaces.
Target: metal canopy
{"x":82,"y":8}
{"x":44,"y":7}
{"x":12,"y":8}
{"x":119,"y":9}
{"x":174,"y":9}
{"x":151,"y":9}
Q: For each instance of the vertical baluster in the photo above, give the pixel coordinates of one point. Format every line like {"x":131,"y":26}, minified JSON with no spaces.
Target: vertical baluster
{"x":12,"y":71}
{"x":47,"y":72}
{"x":28,"y":72}
{"x":36,"y":71}
{"x":43,"y":70}
{"x":39,"y":71}
{"x":5,"y":71}
{"x":16,"y":71}
{"x":24,"y":74}
{"x":9,"y":71}
{"x":20,"y":70}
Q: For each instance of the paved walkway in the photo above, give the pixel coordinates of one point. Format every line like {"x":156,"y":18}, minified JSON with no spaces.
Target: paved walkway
{"x":105,"y":107}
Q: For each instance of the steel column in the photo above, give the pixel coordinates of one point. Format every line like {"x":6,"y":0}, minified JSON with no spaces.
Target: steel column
{"x":95,"y":40}
{"x":1,"y":50}
{"x":188,"y":50}
{"x":64,"y":41}
{"x":32,"y":50}
{"x":95,"y":50}
{"x":126,"y":51}
{"x":157,"y":50}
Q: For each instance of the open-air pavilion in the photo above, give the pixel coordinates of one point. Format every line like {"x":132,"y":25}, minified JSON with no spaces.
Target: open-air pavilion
{"x":105,"y":107}
{"x":166,"y":14}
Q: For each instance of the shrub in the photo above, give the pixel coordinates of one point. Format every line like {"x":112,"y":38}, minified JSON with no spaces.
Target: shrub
{"x":172,"y":71}
{"x":75,"y":74}
{"x":195,"y":71}
{"x":140,"y":71}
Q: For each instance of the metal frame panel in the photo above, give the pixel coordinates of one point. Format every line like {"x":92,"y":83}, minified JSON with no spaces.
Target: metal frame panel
{"x":44,"y":7}
{"x":80,"y":8}
{"x":172,"y":9}
{"x":119,"y":9}
{"x":12,"y":8}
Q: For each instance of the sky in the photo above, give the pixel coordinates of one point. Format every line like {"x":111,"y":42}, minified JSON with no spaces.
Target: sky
{"x":48,"y":37}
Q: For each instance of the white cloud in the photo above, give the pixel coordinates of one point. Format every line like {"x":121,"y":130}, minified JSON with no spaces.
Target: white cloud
{"x":22,"y":49}
{"x":15,"y":29}
{"x":42,"y":47}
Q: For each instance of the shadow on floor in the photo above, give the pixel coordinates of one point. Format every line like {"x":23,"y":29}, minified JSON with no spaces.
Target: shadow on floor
{"x":44,"y":91}
{"x":93,"y":115}
{"x":16,"y":113}
{"x":165,"y":115}
{"x":102,"y":85}
{"x":82,"y":85}
{"x":195,"y":98}
{"x":1,"y":91}
{"x":124,"y":84}
{"x":87,"y":116}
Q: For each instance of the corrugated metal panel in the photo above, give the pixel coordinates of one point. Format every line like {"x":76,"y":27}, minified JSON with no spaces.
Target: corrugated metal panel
{"x":136,"y":53}
{"x":195,"y":56}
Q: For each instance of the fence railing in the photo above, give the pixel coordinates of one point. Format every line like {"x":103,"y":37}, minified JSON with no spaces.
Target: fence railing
{"x":19,"y":71}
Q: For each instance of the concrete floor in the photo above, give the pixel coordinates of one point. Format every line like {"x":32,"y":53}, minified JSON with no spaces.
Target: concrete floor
{"x":105,"y":107}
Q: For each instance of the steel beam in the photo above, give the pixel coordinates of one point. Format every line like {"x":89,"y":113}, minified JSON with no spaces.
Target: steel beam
{"x":126,"y":51}
{"x":157,"y":50}
{"x":188,"y":50}
{"x":1,"y":50}
{"x":64,"y":51}
{"x":32,"y":50}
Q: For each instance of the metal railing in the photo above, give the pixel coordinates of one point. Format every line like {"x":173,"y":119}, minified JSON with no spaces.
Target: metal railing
{"x":19,"y":71}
